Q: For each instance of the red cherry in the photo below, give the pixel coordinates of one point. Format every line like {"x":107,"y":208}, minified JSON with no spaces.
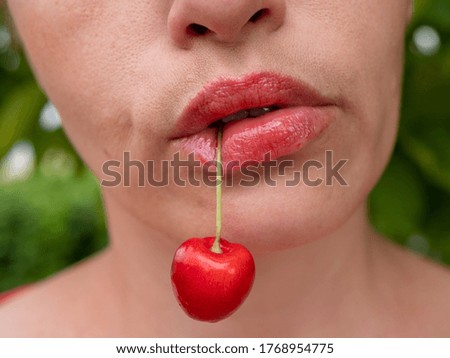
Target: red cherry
{"x":211,"y":277}
{"x":210,"y":286}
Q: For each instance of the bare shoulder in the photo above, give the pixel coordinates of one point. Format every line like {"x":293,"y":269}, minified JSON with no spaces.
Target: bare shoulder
{"x":55,"y":307}
{"x":421,"y":288}
{"x":20,"y":313}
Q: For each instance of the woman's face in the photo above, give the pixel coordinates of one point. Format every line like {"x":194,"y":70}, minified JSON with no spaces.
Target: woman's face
{"x":121,"y":73}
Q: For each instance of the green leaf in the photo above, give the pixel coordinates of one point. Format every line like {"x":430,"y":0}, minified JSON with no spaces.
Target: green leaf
{"x":431,"y":152}
{"x":18,"y":113}
{"x":46,"y":224}
{"x":397,"y":203}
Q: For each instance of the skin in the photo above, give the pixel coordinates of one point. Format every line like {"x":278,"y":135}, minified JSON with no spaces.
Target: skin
{"x":121,"y":73}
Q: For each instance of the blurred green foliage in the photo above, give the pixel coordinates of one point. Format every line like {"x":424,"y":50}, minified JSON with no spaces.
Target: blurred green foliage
{"x":54,"y":217}
{"x":411,"y":202}
{"x":47,"y":223}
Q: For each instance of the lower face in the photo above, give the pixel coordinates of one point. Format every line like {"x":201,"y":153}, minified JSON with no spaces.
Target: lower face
{"x":120,"y":85}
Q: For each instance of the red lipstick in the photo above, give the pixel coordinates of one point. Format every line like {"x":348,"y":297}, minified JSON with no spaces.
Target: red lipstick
{"x":270,"y":114}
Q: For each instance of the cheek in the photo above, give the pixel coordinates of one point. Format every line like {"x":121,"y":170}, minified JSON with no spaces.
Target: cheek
{"x":365,"y":59}
{"x":356,"y":51}
{"x":67,"y":68}
{"x":88,"y":59}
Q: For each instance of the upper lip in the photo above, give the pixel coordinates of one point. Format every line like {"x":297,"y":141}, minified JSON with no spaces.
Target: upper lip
{"x":226,"y":96}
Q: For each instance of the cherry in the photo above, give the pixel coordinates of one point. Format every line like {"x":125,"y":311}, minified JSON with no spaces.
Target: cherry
{"x":211,"y":277}
{"x":211,"y":286}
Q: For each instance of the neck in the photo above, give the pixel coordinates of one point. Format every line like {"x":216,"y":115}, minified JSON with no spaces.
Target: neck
{"x":305,"y":289}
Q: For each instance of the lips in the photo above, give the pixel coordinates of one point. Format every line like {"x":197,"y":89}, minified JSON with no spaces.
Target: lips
{"x":264,"y":115}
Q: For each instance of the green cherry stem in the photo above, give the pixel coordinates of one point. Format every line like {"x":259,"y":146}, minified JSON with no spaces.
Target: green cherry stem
{"x":216,"y":246}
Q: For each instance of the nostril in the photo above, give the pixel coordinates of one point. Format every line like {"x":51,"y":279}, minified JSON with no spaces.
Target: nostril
{"x":259,"y":15}
{"x":196,"y":29}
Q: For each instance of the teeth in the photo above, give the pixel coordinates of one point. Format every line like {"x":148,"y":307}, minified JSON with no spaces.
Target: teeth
{"x":235,"y":116}
{"x":252,"y":113}
{"x":256,"y":112}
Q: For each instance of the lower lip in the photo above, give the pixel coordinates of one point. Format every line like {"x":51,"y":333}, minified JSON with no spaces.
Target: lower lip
{"x":268,"y":137}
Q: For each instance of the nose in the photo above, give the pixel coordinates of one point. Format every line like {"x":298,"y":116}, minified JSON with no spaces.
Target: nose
{"x":225,"y":21}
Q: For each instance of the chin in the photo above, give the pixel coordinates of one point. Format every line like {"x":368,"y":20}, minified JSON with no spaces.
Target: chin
{"x":273,"y":219}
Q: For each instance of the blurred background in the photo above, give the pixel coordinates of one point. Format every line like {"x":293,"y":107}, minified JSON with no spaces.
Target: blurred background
{"x":51,"y":213}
